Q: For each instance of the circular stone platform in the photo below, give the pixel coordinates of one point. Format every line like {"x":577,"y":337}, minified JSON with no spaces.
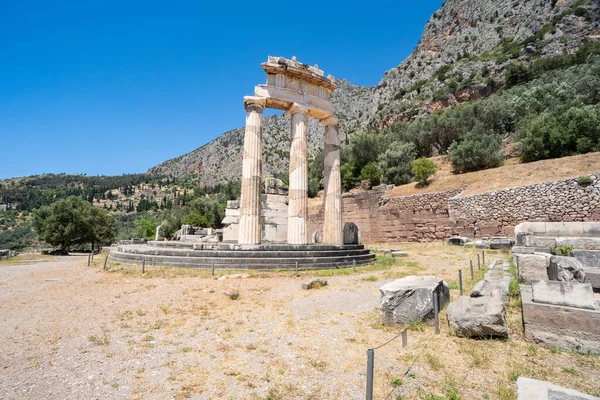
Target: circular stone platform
{"x":235,"y":256}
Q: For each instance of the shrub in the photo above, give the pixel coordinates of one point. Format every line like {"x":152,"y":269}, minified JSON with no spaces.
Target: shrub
{"x":585,"y":181}
{"x":395,"y":163}
{"x":423,"y":168}
{"x":371,"y":173}
{"x":476,"y":152}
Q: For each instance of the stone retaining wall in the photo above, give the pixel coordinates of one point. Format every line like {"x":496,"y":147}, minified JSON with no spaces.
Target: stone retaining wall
{"x":436,"y":216}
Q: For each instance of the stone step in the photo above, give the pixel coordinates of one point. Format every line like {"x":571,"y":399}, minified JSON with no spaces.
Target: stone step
{"x":176,"y":252}
{"x":261,"y":247}
{"x":242,"y":260}
{"x":244,"y":263}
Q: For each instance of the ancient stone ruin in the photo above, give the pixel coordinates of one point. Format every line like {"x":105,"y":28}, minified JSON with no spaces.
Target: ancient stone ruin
{"x":561,"y":303}
{"x":270,"y":230}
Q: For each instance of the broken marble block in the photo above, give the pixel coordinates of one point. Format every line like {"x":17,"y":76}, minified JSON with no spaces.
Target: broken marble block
{"x":410,"y":299}
{"x":478,"y":316}
{"x":565,"y":269}
{"x":314,"y":283}
{"x":569,"y":294}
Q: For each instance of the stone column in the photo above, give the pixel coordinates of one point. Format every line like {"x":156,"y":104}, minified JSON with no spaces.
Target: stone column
{"x":249,"y":226}
{"x":332,"y":219}
{"x":298,"y":193}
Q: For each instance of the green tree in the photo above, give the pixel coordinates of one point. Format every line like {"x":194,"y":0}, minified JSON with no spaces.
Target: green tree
{"x":370,"y":172}
{"x":423,"y":168}
{"x":145,"y":227}
{"x":72,"y":221}
{"x":395,"y":163}
{"x":476,"y":152}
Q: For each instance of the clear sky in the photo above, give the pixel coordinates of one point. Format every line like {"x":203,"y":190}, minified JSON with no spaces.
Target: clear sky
{"x":111,"y":87}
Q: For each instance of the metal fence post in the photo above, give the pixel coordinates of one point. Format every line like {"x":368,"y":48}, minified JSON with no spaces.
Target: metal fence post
{"x":353,"y":265}
{"x":89,"y":258}
{"x":436,"y":312}
{"x":297,"y":269}
{"x":478,"y":261}
{"x":483,"y":255}
{"x":143,"y":266}
{"x":105,"y":260}
{"x":370,"y":365}
{"x":460,"y":281}
{"x":213,"y":268}
{"x":472,"y":275}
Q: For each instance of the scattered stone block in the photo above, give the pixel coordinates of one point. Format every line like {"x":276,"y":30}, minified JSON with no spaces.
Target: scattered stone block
{"x":588,"y":258}
{"x":399,"y":253}
{"x":569,"y":294}
{"x":160,"y":236}
{"x":410,"y":299}
{"x":531,"y":389}
{"x":458,"y":240}
{"x":567,"y":328}
{"x":565,"y":269}
{"x":525,"y":239}
{"x":351,"y":233}
{"x":523,"y":250}
{"x":532,"y":266}
{"x":314,"y":283}
{"x":478,"y":316}
{"x":592,"y":276}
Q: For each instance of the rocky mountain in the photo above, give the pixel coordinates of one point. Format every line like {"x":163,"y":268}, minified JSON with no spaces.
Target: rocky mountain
{"x":463,"y":55}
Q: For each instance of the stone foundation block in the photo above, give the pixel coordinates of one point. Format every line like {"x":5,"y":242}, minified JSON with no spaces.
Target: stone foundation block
{"x":410,"y":299}
{"x":532,"y":266}
{"x":569,"y":294}
{"x":565,"y":269}
{"x":478,"y":316}
{"x":530,"y":389}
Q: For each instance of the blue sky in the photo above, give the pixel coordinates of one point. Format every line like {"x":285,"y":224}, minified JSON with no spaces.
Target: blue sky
{"x":112,"y":87}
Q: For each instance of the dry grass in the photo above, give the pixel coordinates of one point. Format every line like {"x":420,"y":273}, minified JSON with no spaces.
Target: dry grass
{"x":510,"y":175}
{"x":277,"y":341}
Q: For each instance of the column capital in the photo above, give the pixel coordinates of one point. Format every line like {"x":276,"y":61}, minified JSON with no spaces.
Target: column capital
{"x":256,"y":102}
{"x":331,"y":120}
{"x":297,"y":108}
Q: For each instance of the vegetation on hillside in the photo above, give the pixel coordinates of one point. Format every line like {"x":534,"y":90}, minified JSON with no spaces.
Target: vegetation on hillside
{"x":554,"y":115}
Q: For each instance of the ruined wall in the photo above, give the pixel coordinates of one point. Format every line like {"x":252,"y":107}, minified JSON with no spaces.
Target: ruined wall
{"x":421,"y":218}
{"x":501,"y":211}
{"x":435,"y":216}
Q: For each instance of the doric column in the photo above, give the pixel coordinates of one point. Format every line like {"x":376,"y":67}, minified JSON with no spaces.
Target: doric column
{"x":298,"y":193}
{"x":332,"y":220}
{"x":249,"y":227}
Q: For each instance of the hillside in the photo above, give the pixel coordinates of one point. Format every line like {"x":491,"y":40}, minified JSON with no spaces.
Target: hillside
{"x":510,"y":175}
{"x":464,"y":53}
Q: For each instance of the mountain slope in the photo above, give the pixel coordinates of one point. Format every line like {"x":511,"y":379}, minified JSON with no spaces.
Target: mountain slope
{"x":463,"y":55}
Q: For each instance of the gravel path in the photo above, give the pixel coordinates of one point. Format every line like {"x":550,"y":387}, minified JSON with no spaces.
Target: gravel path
{"x":71,"y":332}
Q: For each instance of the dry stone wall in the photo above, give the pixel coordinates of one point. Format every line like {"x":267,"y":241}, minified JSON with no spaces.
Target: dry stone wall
{"x":436,"y":216}
{"x":501,"y":211}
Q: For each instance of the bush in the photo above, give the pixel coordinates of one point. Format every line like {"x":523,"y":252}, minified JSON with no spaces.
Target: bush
{"x":476,"y":152}
{"x":395,"y":163}
{"x":370,"y":172}
{"x":145,"y":227}
{"x":585,"y":181}
{"x":550,"y":136}
{"x":73,"y":221}
{"x":423,"y":168}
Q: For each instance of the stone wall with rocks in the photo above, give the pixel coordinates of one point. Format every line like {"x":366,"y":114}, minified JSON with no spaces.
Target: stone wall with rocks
{"x":502,"y":210}
{"x":416,"y":218}
{"x":436,"y":216}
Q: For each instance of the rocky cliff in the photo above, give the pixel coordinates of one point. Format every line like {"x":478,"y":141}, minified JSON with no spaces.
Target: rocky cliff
{"x":462,"y":56}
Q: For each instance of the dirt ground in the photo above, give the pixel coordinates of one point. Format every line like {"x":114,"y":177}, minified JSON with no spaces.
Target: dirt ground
{"x":70,"y":331}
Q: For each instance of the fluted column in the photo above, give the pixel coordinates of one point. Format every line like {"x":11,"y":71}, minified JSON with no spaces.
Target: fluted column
{"x":249,"y":227}
{"x":332,"y":221}
{"x":298,"y":193}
